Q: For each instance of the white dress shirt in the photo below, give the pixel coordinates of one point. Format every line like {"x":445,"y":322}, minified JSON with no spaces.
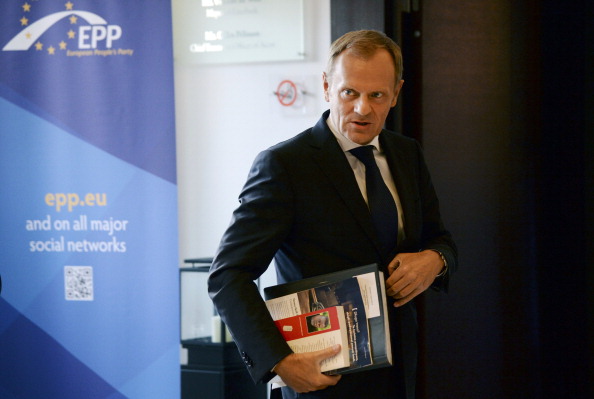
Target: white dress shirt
{"x":359,"y":170}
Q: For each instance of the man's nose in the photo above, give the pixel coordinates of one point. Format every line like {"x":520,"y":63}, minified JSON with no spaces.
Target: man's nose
{"x":362,"y":106}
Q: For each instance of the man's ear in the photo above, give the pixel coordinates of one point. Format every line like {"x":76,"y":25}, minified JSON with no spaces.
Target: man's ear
{"x":326,"y":86}
{"x":397,"y":92}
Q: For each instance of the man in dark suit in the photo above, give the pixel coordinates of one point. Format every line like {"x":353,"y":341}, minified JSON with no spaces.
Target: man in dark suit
{"x":305,"y":204}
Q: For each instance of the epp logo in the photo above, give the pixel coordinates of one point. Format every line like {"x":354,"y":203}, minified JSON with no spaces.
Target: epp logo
{"x":88,"y":36}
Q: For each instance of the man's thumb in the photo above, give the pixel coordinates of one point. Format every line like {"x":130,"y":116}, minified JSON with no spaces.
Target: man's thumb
{"x":330,"y":351}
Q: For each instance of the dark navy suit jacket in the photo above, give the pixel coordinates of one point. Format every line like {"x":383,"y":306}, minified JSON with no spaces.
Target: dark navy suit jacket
{"x":301,"y":205}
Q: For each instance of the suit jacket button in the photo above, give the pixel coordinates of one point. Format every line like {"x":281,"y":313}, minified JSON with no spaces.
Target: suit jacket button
{"x":246,"y":359}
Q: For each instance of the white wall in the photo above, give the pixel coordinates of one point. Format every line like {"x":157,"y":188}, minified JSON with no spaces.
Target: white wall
{"x":225,"y":115}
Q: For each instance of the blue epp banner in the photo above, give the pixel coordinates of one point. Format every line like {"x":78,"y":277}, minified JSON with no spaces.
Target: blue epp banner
{"x":89,"y":306}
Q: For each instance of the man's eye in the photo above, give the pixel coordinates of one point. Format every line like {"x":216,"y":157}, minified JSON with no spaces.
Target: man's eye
{"x":377,"y":95}
{"x":348,"y":92}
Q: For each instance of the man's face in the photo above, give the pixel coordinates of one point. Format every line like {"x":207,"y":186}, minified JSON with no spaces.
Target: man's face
{"x":361,"y":93}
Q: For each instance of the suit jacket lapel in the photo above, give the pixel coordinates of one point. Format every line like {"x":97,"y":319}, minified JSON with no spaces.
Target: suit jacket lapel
{"x":334,"y":165}
{"x":399,"y":163}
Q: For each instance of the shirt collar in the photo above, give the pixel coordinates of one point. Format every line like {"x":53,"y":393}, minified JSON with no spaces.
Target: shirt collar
{"x":347,"y":144}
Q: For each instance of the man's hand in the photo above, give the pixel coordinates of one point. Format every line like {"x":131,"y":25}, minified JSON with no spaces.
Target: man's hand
{"x":411,"y":274}
{"x":301,"y":371}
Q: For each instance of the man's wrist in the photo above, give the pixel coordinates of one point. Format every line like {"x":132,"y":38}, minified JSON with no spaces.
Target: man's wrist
{"x":278,"y":363}
{"x":444,"y":269}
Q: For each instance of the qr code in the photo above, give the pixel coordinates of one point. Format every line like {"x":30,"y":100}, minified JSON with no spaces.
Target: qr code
{"x":78,"y":282}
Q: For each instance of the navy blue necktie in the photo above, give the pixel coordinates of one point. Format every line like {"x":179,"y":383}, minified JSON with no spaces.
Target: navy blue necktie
{"x":379,"y":199}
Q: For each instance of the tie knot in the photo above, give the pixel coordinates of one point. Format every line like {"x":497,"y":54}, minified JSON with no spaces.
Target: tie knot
{"x":364,"y":154}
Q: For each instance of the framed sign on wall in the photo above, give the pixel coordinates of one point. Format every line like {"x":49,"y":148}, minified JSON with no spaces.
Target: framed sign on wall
{"x":237,"y":31}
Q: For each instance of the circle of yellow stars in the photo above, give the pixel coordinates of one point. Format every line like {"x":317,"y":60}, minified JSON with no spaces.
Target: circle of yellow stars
{"x":51,"y":50}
